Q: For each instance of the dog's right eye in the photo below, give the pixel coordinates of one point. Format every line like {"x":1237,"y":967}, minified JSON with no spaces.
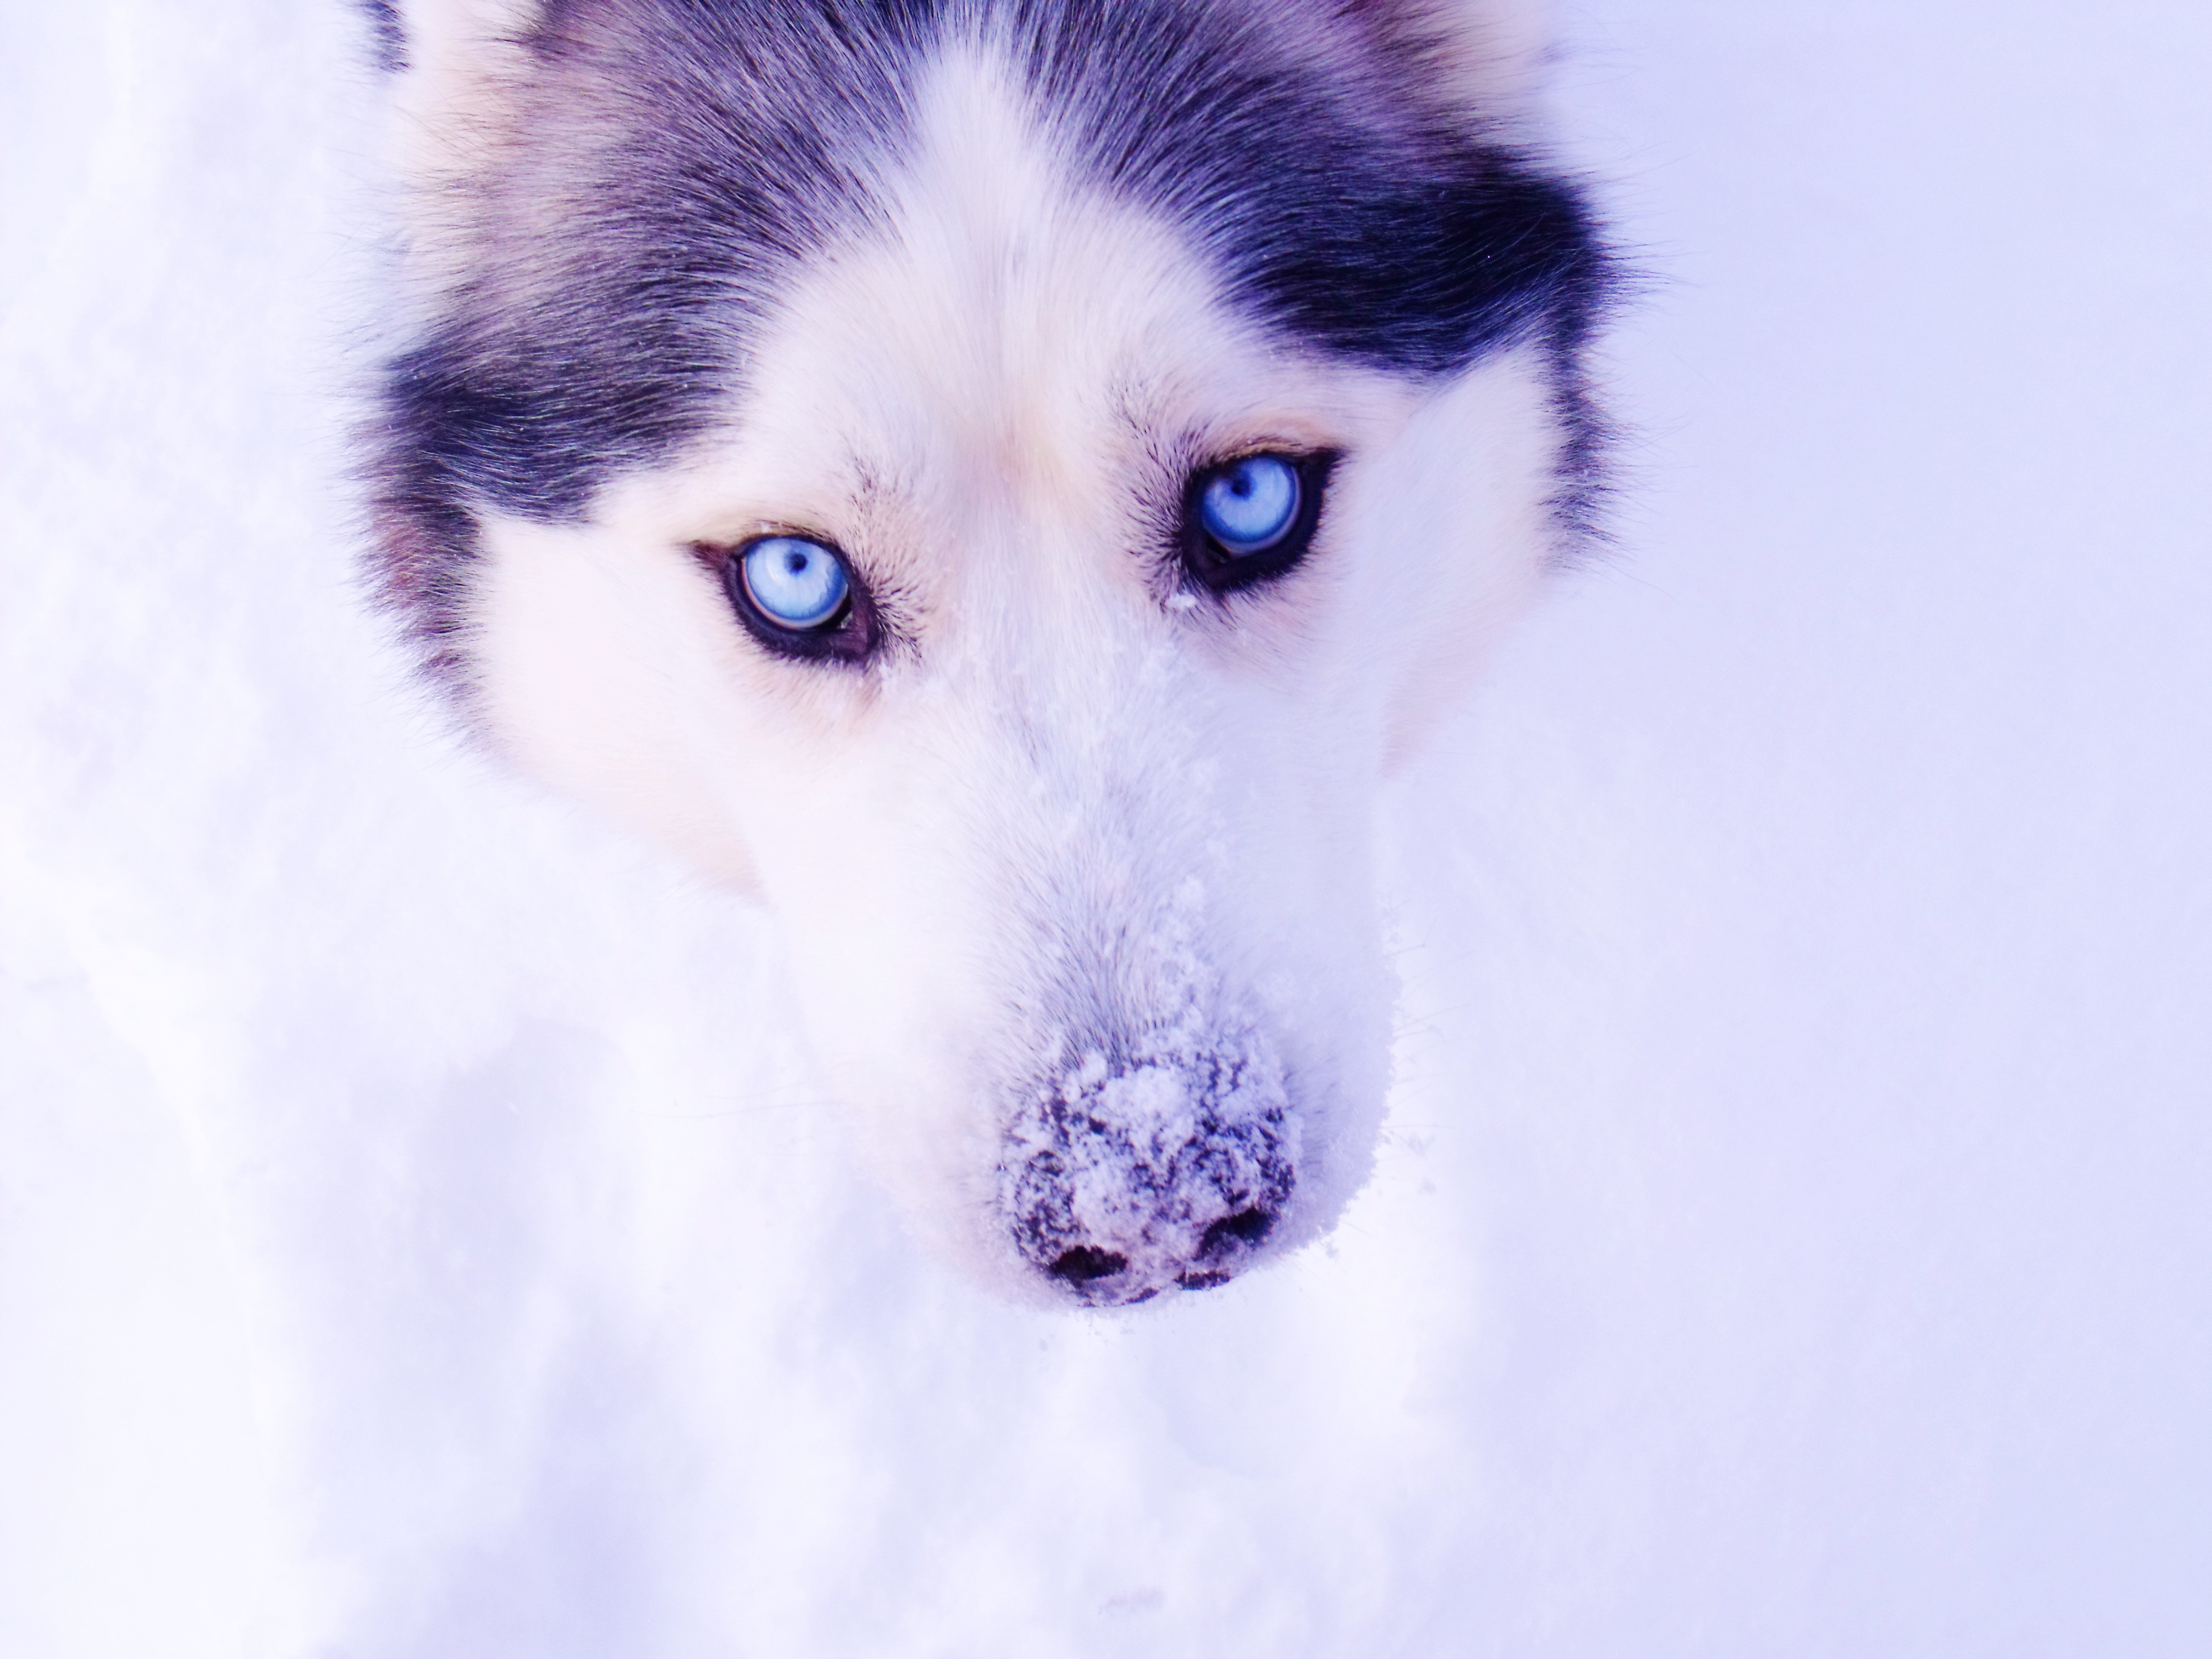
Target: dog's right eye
{"x":798,"y":597}
{"x":1250,"y":519}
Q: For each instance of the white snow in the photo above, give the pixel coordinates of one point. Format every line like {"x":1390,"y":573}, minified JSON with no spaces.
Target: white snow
{"x":420,"y":1237}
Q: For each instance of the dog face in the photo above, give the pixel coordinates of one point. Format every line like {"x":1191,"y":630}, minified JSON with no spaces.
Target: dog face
{"x":891,"y":455}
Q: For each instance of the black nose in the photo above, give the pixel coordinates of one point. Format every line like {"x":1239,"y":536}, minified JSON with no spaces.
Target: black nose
{"x":1219,"y":1246}
{"x":1104,"y":1278}
{"x":1119,"y":1181}
{"x":1226,"y":1242}
{"x":1086,"y":1264}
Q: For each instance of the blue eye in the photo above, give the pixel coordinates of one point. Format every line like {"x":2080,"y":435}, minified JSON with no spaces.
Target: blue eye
{"x":1250,"y":505}
{"x":1251,"y":521}
{"x":794,"y":583}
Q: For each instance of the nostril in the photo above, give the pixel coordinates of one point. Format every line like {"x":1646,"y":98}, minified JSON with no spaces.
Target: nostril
{"x":1245,"y":1227}
{"x":1085,"y":1263}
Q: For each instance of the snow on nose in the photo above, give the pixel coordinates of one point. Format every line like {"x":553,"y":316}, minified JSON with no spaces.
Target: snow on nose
{"x":1122,"y":1177}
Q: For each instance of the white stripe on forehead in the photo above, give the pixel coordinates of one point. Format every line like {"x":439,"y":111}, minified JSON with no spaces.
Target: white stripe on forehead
{"x":1005,"y":304}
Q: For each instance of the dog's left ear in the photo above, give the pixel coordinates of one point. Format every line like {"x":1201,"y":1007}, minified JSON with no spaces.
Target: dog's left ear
{"x":441,"y":36}
{"x":1483,"y":59}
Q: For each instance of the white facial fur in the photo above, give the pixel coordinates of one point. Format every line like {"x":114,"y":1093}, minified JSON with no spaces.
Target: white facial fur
{"x":1071,"y":798}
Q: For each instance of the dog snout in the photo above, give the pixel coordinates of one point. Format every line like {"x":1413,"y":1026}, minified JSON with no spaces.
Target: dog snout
{"x":1146,"y":1178}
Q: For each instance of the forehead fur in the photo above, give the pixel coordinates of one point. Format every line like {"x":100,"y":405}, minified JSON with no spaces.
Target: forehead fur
{"x":1011,"y":340}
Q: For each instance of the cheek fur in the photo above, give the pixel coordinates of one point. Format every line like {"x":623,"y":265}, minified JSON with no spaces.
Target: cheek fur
{"x":1455,"y":531}
{"x":606,"y":671}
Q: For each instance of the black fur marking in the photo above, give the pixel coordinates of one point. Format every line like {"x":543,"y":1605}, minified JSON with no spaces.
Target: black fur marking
{"x":1581,"y":478}
{"x":1413,"y":249}
{"x":391,"y":38}
{"x":676,"y":158}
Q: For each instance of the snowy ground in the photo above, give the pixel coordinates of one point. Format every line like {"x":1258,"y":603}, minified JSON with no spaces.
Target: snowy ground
{"x":418,"y":1239}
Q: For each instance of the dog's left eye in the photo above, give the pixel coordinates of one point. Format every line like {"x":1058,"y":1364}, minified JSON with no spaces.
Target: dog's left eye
{"x":1250,"y":505}
{"x":794,"y":583}
{"x":1249,"y":519}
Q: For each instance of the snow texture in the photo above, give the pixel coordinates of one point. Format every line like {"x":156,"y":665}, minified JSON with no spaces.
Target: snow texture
{"x":420,"y":1236}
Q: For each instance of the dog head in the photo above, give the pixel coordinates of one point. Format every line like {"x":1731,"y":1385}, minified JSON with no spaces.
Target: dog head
{"x":1003,"y":482}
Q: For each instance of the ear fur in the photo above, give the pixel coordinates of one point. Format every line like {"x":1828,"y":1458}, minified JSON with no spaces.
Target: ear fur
{"x":459,"y":69}
{"x":1485,"y":57}
{"x":456,"y":61}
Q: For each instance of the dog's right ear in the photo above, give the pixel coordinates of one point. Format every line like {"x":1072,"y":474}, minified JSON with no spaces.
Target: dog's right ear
{"x":1483,"y":59}
{"x":457,"y":62}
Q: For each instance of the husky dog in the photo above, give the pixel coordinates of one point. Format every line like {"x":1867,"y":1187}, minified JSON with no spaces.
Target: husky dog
{"x":1004,"y":481}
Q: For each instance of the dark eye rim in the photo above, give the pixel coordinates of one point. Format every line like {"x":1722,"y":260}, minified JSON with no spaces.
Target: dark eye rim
{"x":1220,"y":572}
{"x":849,"y":638}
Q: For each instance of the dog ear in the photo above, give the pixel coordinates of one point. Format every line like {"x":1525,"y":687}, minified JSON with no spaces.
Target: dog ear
{"x":441,"y":36}
{"x":1483,"y":59}
{"x":456,"y":61}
